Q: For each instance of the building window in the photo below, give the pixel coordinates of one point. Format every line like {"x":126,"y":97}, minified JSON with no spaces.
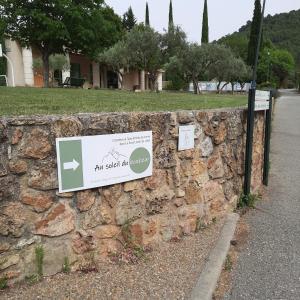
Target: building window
{"x":75,"y":70}
{"x":112,"y":80}
{"x":58,"y":76}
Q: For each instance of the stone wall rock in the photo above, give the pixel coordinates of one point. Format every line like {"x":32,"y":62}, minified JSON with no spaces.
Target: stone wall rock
{"x":35,"y":144}
{"x":43,"y":177}
{"x":18,"y":167}
{"x":3,"y":130}
{"x":129,"y":207}
{"x":60,"y":220}
{"x":39,"y":201}
{"x":187,"y":187}
{"x":98,"y":214}
{"x":67,"y":127}
{"x":85,"y":200}
{"x":9,"y":188}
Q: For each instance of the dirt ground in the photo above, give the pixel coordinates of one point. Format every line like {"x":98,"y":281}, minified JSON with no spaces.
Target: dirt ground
{"x":169,"y":272}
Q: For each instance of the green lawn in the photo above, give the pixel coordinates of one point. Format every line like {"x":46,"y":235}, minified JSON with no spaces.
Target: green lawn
{"x":28,"y":101}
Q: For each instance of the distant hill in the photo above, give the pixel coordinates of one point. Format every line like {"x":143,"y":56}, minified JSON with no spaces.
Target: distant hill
{"x":282,"y":29}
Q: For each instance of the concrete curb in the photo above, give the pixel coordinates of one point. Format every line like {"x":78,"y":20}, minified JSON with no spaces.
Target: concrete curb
{"x":210,"y":274}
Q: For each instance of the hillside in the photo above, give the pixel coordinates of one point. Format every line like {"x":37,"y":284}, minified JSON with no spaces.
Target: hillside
{"x":282,"y":29}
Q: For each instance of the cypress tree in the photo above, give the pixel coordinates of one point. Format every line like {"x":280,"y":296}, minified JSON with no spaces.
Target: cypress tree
{"x":204,"y":38}
{"x":171,"y":22}
{"x":255,"y":27}
{"x":147,"y":20}
{"x":129,"y":19}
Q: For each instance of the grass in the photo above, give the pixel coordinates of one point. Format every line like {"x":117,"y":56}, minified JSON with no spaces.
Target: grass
{"x":29,"y":101}
{"x":39,"y":257}
{"x":228,"y":263}
{"x":248,"y":200}
{"x":200,"y":225}
{"x":3,"y":283}
{"x":66,"y":265}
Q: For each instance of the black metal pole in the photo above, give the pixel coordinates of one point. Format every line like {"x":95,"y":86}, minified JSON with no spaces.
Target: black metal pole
{"x":249,"y":140}
{"x":268,"y":129}
{"x":250,"y":115}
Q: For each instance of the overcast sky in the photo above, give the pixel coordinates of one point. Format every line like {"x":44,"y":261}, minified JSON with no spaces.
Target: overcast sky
{"x":225,"y":16}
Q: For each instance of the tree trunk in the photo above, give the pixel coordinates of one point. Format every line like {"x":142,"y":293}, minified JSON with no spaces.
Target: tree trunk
{"x":120,"y":79}
{"x":152,"y":85}
{"x":242,"y":84}
{"x":218,"y":87}
{"x":196,"y":87}
{"x":224,"y":86}
{"x":152,"y":78}
{"x":45,"y":58}
{"x":232,"y":88}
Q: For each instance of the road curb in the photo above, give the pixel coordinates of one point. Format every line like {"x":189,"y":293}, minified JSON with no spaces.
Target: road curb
{"x":210,"y":274}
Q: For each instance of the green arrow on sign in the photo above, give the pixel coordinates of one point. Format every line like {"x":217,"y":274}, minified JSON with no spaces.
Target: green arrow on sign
{"x":70,"y":154}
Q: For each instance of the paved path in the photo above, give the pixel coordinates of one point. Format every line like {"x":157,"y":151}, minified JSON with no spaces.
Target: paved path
{"x":269,"y":268}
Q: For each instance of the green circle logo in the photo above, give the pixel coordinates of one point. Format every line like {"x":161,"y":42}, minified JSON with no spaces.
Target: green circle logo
{"x":139,"y":160}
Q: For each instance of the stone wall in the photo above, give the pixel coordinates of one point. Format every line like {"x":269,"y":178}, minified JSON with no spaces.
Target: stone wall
{"x":187,"y":188}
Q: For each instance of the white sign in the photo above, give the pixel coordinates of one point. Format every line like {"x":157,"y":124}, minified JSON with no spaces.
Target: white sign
{"x":186,"y":137}
{"x":262,"y":105}
{"x":262,"y":100}
{"x":262,"y":95}
{"x":1,"y":54}
{"x":94,"y":161}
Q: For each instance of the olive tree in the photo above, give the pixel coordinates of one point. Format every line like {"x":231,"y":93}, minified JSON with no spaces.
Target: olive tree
{"x":117,"y":59}
{"x":238,"y":72}
{"x":144,"y":51}
{"x":140,"y":49}
{"x":56,"y":62}
{"x":174,"y":45}
{"x":220,"y":69}
{"x":228,"y":69}
{"x":196,"y":62}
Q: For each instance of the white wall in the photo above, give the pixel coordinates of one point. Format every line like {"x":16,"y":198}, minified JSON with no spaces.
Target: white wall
{"x":160,"y":81}
{"x":96,"y":75}
{"x":27,"y":65}
{"x":142,"y":80}
{"x":66,"y":73}
{"x":14,"y":52}
{"x":211,"y":86}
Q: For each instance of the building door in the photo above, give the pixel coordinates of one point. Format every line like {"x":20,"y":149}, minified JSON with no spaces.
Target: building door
{"x":112,"y":80}
{"x":75,"y":70}
{"x":58,"y":76}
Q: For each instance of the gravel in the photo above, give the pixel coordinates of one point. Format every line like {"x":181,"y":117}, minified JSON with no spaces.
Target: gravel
{"x":169,"y":272}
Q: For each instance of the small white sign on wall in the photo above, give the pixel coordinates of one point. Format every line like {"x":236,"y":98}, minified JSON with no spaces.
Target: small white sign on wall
{"x":186,"y":137}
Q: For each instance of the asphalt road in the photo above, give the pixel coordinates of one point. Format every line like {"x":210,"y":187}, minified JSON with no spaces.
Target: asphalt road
{"x":269,"y":267}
